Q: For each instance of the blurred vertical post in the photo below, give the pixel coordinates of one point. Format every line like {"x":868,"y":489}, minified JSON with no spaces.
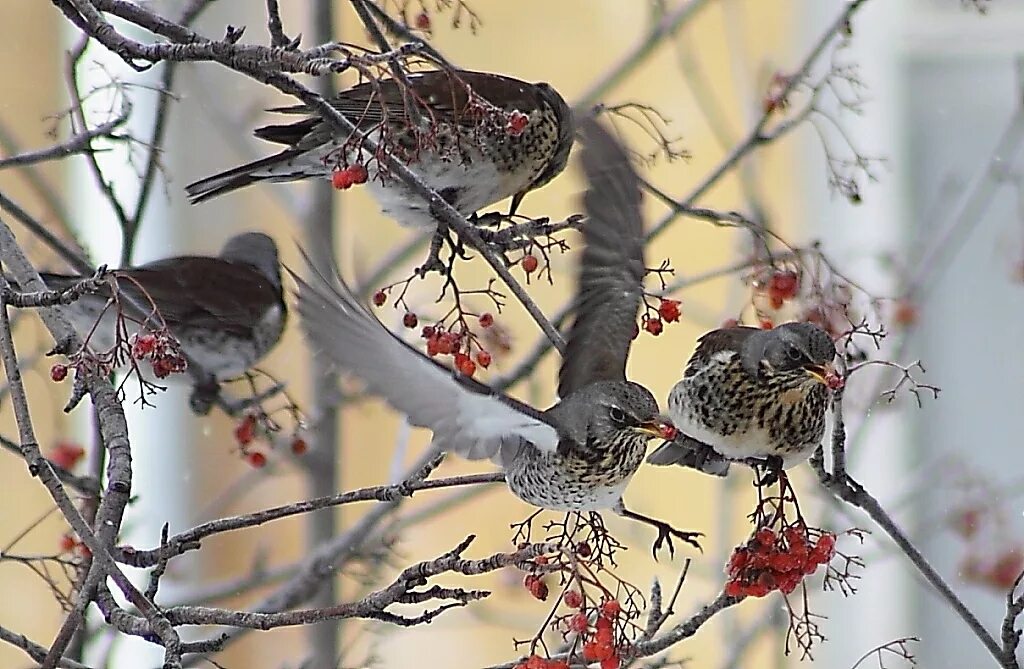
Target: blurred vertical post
{"x":322,"y":470}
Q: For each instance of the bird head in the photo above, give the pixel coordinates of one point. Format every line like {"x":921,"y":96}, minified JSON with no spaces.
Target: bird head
{"x":610,"y":407}
{"x":794,"y":348}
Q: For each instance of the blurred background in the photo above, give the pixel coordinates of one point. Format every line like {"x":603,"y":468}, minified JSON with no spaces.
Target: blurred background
{"x":936,"y":236}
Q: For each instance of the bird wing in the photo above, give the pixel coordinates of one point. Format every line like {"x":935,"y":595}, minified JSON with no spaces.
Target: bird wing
{"x":202,"y":292}
{"x":727,"y":339}
{"x":611,"y":273}
{"x":372,"y":102}
{"x":466,"y":417}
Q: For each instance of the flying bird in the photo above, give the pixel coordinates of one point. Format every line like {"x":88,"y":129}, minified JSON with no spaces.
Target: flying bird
{"x":751,"y":393}
{"x":477,"y":138}
{"x":578,"y":455}
{"x":226,"y":311}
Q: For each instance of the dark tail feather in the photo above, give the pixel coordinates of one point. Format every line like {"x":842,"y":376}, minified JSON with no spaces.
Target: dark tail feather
{"x":688,"y":452}
{"x":239,"y":177}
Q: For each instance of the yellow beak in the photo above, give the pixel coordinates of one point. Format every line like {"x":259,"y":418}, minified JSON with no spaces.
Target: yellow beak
{"x":660,"y":427}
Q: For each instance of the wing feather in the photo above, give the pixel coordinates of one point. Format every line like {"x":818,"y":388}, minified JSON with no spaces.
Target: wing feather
{"x":466,"y":417}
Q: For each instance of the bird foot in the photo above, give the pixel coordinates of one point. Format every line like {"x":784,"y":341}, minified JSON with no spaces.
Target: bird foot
{"x":769,"y":468}
{"x":665,"y":531}
{"x":490,"y":219}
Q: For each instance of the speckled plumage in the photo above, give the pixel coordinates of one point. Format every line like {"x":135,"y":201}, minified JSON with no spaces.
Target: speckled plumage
{"x":596,"y":458}
{"x":463,"y":148}
{"x":748,"y":393}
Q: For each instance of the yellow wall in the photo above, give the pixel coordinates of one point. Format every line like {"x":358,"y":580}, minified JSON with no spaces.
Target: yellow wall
{"x":569,"y":44}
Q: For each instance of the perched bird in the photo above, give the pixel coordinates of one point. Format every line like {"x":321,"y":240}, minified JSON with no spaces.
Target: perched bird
{"x":751,"y":393}
{"x":479,"y":138}
{"x":578,"y":455}
{"x":225,"y":311}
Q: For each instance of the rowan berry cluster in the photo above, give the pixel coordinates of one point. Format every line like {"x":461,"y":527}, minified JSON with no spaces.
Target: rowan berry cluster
{"x":254,"y":425}
{"x":162,"y":350}
{"x":772,"y":560}
{"x":346,"y":177}
{"x":654,"y":320}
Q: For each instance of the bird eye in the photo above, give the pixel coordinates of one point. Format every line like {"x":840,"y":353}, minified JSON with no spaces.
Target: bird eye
{"x":618,"y":416}
{"x":793,"y":352}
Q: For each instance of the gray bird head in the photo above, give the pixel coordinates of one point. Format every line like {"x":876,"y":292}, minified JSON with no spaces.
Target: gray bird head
{"x":788,"y":348}
{"x":608,"y":407}
{"x":256,"y":249}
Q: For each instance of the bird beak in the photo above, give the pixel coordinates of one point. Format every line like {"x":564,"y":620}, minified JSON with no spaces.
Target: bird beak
{"x":660,"y":427}
{"x":820,"y":373}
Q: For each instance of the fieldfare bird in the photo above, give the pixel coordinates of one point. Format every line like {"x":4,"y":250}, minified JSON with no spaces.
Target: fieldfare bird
{"x":751,"y":393}
{"x":475,"y":138}
{"x":578,"y":455}
{"x":225,"y":311}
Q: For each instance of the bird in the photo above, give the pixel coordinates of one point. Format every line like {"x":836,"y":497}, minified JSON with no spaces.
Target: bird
{"x":477,"y":138}
{"x":226,"y":312}
{"x":748,"y":393}
{"x":577,"y":455}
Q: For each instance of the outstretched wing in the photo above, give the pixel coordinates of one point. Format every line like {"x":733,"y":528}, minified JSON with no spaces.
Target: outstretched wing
{"x":612,"y":270}
{"x":466,"y":417}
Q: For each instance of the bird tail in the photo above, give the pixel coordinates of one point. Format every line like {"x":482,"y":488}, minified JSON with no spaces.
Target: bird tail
{"x":688,"y":452}
{"x":272,"y":168}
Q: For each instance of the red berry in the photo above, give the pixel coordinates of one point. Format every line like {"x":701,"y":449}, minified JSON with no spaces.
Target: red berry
{"x":573,"y":599}
{"x":536,"y":662}
{"x":379,"y":298}
{"x":758,"y":590}
{"x":299,"y":446}
{"x":1006,"y":569}
{"x":766,"y":324}
{"x":447,"y":343}
{"x":611,"y":609}
{"x":341,"y":179}
{"x":784,"y":284}
{"x":904,"y":313}
{"x":464,"y":364}
{"x":734,"y":589}
{"x":789,"y":582}
{"x":739,"y":559}
{"x":59,"y":372}
{"x":654,"y":326}
{"x":540,"y":559}
{"x":530,"y":263}
{"x":67,"y":543}
{"x":966,"y":522}
{"x":539,"y":590}
{"x":765,"y":537}
{"x":612,"y":662}
{"x":427,"y":332}
{"x":483,"y":358}
{"x":604,"y":628}
{"x":66,"y":454}
{"x":257,"y":459}
{"x":517,"y":122}
{"x":578,"y":623}
{"x":583,"y":549}
{"x":409,"y":320}
{"x":433,"y":345}
{"x":669,"y":310}
{"x":590,"y":651}
{"x":558,"y":664}
{"x":358,"y":174}
{"x":422,"y":21}
{"x":834,"y":381}
{"x":245,"y":431}
{"x":486,"y":320}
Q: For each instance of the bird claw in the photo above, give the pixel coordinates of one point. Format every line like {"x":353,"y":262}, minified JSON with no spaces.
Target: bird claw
{"x":665,"y":534}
